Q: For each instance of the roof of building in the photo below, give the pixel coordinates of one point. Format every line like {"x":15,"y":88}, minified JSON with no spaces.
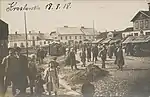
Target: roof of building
{"x":69,"y":31}
{"x":16,"y":37}
{"x":89,"y":31}
{"x":145,"y":13}
{"x":129,"y":29}
{"x":22,"y":37}
{"x":45,"y":36}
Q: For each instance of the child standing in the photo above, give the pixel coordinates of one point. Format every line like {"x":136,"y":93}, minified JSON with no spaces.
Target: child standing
{"x":51,"y":77}
{"x":32,"y":72}
{"x":39,"y":89}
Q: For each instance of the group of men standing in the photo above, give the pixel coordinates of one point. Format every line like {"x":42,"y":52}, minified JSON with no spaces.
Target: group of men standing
{"x":93,"y":52}
{"x":15,"y":71}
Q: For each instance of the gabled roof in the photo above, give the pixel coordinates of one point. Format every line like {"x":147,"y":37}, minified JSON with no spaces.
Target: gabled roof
{"x":145,"y":13}
{"x":89,"y":31}
{"x":69,"y":31}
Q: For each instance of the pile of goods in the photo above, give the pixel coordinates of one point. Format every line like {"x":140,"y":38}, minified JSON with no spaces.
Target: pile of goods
{"x":91,"y":73}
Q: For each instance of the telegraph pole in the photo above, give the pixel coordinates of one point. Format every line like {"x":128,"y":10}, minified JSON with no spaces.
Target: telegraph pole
{"x":93,"y":29}
{"x":26,"y":34}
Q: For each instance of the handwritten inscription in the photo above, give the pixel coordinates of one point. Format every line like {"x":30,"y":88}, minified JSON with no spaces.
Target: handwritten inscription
{"x":52,"y":6}
{"x":14,"y":7}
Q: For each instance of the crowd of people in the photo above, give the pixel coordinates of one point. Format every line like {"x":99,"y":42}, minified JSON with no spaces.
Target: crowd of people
{"x":21,"y":72}
{"x":91,"y":52}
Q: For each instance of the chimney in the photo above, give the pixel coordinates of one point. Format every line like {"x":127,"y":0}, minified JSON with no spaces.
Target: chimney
{"x":16,"y":32}
{"x":29,"y":32}
{"x":65,"y":26}
{"x":82,"y":26}
{"x":149,"y":6}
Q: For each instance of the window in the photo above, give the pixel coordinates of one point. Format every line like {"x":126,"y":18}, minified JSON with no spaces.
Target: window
{"x":40,"y":43}
{"x":44,"y":42}
{"x":89,"y":37}
{"x":61,"y":37}
{"x":136,"y":25}
{"x":135,"y":34}
{"x":55,"y":37}
{"x":22,"y":45}
{"x":33,"y":37}
{"x":75,"y":37}
{"x":15,"y":44}
{"x":80,"y":37}
{"x":70,"y":37}
{"x":147,"y":33}
{"x":146,"y":24}
{"x":66,"y":37}
{"x":123,"y":35}
{"x":141,"y":24}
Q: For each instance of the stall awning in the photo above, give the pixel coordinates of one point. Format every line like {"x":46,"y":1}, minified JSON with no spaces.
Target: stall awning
{"x":114,"y":41}
{"x":129,"y":39}
{"x":107,"y":40}
{"x":137,"y":39}
{"x":97,"y":41}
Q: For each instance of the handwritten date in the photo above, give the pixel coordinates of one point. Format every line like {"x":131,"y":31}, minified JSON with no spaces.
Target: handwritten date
{"x":52,"y":6}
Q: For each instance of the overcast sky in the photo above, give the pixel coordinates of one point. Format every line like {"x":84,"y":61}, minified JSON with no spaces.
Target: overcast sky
{"x":107,"y":15}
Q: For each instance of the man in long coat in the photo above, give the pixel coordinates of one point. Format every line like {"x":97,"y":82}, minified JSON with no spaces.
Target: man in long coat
{"x":95,"y":53}
{"x":89,"y":53}
{"x":83,"y":57}
{"x":72,"y":59}
{"x":120,"y":58}
{"x":110,"y":51}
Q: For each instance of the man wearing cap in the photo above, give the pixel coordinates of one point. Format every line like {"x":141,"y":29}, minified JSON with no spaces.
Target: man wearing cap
{"x":8,"y":64}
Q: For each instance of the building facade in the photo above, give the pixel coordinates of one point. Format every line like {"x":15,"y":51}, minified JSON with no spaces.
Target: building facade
{"x":141,"y":24}
{"x":73,"y":34}
{"x":34,"y":39}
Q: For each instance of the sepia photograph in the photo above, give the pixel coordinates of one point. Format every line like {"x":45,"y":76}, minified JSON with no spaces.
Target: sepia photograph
{"x":74,"y":48}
